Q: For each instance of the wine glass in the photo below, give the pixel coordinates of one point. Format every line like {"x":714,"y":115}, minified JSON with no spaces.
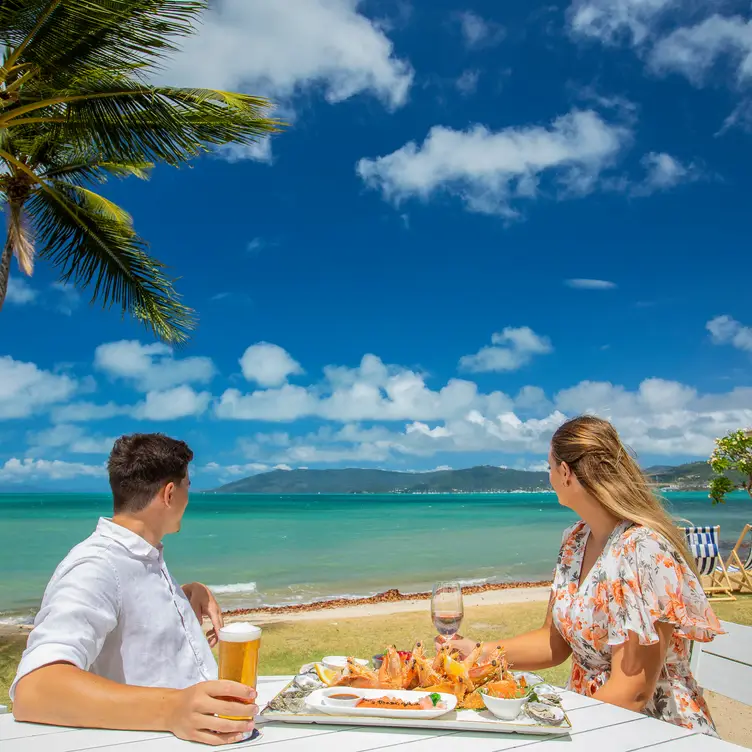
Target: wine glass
{"x":447,"y":608}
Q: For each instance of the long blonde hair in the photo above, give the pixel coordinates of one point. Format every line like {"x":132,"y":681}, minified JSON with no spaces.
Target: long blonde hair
{"x":607,"y":471}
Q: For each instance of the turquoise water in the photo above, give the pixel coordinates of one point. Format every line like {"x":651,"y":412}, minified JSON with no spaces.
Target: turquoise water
{"x":290,"y":549}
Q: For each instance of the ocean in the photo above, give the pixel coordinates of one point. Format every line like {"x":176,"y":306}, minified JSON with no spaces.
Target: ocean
{"x":279,"y":550}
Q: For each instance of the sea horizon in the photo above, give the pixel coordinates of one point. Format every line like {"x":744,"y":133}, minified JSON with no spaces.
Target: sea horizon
{"x":258,"y":550}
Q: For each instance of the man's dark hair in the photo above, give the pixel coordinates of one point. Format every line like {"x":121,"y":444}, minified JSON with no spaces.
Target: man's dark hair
{"x":141,"y":464}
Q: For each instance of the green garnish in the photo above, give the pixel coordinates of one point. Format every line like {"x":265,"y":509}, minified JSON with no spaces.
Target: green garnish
{"x":435,"y":698}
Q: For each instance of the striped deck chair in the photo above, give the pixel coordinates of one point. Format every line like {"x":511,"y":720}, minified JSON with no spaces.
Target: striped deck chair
{"x":703,"y":545}
{"x":736,"y":566}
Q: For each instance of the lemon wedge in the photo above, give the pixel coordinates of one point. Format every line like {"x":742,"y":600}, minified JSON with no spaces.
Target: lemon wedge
{"x":327,"y":675}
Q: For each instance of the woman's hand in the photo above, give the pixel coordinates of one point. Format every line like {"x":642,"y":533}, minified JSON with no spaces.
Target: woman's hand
{"x":205,"y":605}
{"x":464,"y":645}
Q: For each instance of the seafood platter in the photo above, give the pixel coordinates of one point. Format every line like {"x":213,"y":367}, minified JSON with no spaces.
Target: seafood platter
{"x":412,"y":690}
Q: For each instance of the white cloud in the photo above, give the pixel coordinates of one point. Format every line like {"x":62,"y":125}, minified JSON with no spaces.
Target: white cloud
{"x":478,"y":32}
{"x":694,"y":50}
{"x":256,"y":245}
{"x":80,"y":412}
{"x":26,"y":389}
{"x":268,"y":364}
{"x":467,"y":83}
{"x":251,"y":468}
{"x":69,"y":437}
{"x":725,"y":330}
{"x":151,"y":367}
{"x":590,"y":284}
{"x":19,"y":470}
{"x":611,"y":21}
{"x":258,"y":151}
{"x":68,"y":298}
{"x":511,"y":349}
{"x":282,"y":49}
{"x":20,"y":292}
{"x":171,"y":404}
{"x":491,"y":172}
{"x":372,"y":391}
{"x":662,"y":171}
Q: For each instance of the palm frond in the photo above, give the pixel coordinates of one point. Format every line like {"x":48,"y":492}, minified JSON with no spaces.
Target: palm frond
{"x":57,"y":36}
{"x":94,"y":246}
{"x":19,"y":238}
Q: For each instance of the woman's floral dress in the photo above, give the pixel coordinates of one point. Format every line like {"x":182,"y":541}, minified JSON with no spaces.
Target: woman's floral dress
{"x":638,"y":580}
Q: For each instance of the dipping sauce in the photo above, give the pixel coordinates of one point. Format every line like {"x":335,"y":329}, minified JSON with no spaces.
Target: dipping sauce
{"x":343,"y":697}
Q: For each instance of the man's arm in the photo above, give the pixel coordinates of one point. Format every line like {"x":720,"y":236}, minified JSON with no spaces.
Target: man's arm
{"x":204,"y":604}
{"x":63,"y":695}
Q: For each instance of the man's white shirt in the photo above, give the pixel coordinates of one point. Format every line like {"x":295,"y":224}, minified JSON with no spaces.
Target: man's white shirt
{"x":113,"y":608}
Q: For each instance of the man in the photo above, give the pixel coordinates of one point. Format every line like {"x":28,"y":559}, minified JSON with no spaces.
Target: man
{"x":117,"y":642}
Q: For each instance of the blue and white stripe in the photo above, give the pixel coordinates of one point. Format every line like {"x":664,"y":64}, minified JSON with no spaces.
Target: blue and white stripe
{"x":703,"y":545}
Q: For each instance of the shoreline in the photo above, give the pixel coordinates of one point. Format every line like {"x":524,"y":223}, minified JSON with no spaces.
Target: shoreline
{"x":393,"y":601}
{"x":386,"y":603}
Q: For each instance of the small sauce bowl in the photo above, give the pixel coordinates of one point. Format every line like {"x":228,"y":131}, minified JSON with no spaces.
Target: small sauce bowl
{"x":506,"y":710}
{"x":343,"y":697}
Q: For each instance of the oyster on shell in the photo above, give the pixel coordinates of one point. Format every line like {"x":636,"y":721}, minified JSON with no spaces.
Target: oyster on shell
{"x":548,"y":715}
{"x":292,"y":698}
{"x":547,"y":694}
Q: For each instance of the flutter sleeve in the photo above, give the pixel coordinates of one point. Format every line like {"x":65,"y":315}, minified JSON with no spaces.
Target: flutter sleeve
{"x":650,"y":582}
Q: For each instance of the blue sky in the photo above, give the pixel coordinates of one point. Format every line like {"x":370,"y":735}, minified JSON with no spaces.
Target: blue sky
{"x":482,"y":218}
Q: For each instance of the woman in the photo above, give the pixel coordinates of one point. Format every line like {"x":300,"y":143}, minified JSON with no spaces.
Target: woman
{"x":626,"y":599}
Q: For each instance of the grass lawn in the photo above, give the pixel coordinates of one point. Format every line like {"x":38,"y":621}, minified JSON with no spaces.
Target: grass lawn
{"x":288,"y":645}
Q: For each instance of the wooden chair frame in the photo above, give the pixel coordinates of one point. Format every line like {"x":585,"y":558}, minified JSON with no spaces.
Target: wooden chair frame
{"x":740,"y":567}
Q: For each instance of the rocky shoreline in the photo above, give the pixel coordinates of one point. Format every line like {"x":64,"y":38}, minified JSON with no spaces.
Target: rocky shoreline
{"x":388,"y":596}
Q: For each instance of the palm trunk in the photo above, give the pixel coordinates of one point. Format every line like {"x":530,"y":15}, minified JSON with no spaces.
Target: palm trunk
{"x":5,"y":270}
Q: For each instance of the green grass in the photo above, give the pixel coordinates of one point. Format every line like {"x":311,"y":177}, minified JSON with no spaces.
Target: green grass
{"x":286,"y":646}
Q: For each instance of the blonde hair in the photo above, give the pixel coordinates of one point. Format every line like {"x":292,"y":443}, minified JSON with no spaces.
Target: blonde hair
{"x":608,"y":472}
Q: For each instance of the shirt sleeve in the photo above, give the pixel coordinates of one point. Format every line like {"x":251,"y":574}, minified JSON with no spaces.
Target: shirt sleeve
{"x":650,"y":582}
{"x":79,"y":609}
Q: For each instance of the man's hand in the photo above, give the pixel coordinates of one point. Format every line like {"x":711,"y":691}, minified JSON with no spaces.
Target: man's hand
{"x":193,"y":712}
{"x":205,"y":605}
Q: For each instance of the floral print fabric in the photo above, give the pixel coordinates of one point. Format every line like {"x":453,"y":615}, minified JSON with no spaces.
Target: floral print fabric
{"x":638,"y":580}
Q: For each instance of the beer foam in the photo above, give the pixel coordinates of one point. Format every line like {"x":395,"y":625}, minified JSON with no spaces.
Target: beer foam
{"x":239,"y":631}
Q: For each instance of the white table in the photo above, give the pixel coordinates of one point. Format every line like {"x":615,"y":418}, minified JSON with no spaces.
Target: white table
{"x":596,"y":728}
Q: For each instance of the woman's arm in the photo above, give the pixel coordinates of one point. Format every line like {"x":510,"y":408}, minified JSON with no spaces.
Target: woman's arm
{"x":541,"y":648}
{"x":635,"y":670}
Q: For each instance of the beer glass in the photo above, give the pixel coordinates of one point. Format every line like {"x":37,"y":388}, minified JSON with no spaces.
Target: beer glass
{"x":239,"y":645}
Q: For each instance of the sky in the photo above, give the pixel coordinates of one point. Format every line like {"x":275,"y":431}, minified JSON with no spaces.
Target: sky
{"x":482,"y":218}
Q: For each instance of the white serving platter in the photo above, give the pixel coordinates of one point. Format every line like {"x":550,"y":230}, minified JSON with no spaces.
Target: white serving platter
{"x":454,"y":720}
{"x":316,"y":701}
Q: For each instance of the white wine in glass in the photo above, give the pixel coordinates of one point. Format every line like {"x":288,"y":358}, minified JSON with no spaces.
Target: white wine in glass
{"x":447,"y":609}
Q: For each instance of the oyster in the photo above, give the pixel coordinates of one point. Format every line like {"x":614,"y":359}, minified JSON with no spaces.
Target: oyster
{"x":292,"y":698}
{"x":547,"y":694}
{"x":308,"y":682}
{"x":549,"y":715}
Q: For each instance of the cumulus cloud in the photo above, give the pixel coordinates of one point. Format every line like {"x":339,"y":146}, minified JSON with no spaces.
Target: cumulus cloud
{"x":171,"y":404}
{"x":478,"y":32}
{"x":662,"y":172}
{"x":151,"y":367}
{"x":17,"y":470}
{"x":26,"y":389}
{"x":81,"y":412}
{"x":282,"y":49}
{"x":69,"y":437}
{"x":511,"y":349}
{"x":20,"y":292}
{"x":611,"y":21}
{"x":694,"y":50}
{"x":268,"y":364}
{"x":492,"y":172}
{"x":590,"y":284}
{"x":725,"y":330}
{"x":467,"y":83}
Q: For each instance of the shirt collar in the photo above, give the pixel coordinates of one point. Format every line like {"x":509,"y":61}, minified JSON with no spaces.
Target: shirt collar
{"x":134,"y":543}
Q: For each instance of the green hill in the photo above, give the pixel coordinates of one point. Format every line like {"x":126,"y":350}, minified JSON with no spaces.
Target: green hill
{"x":357,"y":480}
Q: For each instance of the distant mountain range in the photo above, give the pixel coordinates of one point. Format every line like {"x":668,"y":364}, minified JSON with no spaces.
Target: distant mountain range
{"x":482,"y":479}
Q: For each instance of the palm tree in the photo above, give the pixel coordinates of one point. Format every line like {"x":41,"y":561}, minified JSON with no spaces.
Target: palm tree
{"x":76,"y":107}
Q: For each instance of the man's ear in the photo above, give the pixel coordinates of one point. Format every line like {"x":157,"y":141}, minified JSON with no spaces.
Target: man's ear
{"x":167,"y":493}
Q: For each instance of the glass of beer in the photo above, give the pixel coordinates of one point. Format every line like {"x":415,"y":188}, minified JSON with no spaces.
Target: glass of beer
{"x":239,"y":645}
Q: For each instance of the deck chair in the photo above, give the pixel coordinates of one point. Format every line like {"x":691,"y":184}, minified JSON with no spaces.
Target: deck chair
{"x":736,"y":566}
{"x":703,"y":545}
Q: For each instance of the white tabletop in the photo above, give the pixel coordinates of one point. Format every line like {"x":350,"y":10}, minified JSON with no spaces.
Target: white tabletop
{"x":596,"y":727}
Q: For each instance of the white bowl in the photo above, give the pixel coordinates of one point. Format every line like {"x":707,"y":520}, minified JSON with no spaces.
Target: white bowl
{"x":329,"y":697}
{"x":338,"y":662}
{"x":506,"y":710}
